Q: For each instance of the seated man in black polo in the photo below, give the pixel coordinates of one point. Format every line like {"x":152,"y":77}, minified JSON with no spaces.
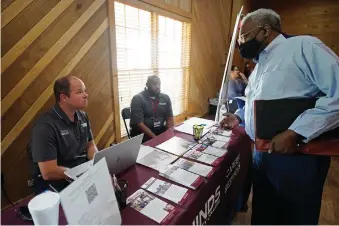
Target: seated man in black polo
{"x":151,"y":111}
{"x":61,"y":138}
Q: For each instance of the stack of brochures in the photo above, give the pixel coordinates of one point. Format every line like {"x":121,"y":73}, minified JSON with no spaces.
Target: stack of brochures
{"x":166,"y":190}
{"x":194,"y":167}
{"x":206,"y":149}
{"x":152,"y":207}
{"x":176,"y":146}
{"x":181,"y":176}
{"x":204,"y":158}
{"x":154,"y":158}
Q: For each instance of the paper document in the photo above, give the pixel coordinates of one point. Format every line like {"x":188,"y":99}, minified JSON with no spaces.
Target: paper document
{"x":204,"y":158}
{"x":156,"y":159}
{"x":187,"y":126}
{"x":181,"y":176}
{"x":75,"y":172}
{"x":206,"y":149}
{"x":143,"y":151}
{"x":218,"y":131}
{"x":166,"y":190}
{"x":219,"y":138}
{"x":176,"y":146}
{"x":90,"y":200}
{"x":194,"y":167}
{"x":152,"y":207}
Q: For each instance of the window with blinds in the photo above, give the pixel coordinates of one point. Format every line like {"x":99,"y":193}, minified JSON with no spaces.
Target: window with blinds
{"x":151,"y":44}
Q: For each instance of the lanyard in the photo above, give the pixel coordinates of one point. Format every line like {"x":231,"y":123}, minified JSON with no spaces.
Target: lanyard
{"x":155,"y":105}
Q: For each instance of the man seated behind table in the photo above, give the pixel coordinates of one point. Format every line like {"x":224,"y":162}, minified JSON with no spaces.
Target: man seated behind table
{"x":151,"y":111}
{"x":61,"y":138}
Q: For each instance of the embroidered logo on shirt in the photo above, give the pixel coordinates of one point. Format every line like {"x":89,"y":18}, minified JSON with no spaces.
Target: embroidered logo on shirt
{"x":84,"y":124}
{"x":64,"y":132}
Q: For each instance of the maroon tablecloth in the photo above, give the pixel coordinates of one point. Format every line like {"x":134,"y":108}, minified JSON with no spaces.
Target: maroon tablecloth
{"x":212,"y":203}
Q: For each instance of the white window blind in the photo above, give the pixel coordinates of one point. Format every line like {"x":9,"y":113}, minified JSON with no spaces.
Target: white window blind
{"x":151,"y":44}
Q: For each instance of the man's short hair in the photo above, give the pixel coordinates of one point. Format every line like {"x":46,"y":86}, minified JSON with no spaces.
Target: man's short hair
{"x":152,"y":79}
{"x":62,"y":86}
{"x":263,"y":17}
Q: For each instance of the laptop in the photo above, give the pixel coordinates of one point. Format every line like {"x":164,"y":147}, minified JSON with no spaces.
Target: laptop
{"x":118,"y":157}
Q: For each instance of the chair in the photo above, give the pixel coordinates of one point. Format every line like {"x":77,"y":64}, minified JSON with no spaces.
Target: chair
{"x":126,"y":114}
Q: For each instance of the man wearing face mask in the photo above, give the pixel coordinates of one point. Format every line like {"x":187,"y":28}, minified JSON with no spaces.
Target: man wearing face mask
{"x":151,"y":111}
{"x":287,"y":185}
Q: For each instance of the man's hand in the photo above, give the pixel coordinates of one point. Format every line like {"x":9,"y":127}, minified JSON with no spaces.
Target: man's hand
{"x":285,"y":142}
{"x":230,"y":121}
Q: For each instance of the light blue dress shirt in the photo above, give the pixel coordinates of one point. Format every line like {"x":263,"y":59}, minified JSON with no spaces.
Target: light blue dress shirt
{"x":300,"y":66}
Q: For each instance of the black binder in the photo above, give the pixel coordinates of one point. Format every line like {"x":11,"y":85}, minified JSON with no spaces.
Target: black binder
{"x":275,"y":116}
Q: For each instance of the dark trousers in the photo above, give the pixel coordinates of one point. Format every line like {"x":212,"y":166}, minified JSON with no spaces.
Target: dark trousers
{"x":287,"y":189}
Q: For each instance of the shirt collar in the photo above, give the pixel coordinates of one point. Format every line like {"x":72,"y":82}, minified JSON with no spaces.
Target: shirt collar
{"x":268,"y":50}
{"x":61,"y":114}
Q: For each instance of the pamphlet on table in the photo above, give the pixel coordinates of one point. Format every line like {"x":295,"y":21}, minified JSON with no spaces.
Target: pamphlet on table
{"x":152,"y":207}
{"x":155,"y":158}
{"x":176,"y":146}
{"x":194,"y":167}
{"x":204,"y":158}
{"x":187,"y":126}
{"x":166,"y":190}
{"x":218,"y":131}
{"x":181,"y":176}
{"x":210,"y":140}
{"x":90,"y":200}
{"x":207,"y":149}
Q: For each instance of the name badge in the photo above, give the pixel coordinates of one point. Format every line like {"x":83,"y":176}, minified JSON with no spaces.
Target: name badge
{"x":157,"y":124}
{"x":84,"y":124}
{"x":64,"y":132}
{"x":162,"y":103}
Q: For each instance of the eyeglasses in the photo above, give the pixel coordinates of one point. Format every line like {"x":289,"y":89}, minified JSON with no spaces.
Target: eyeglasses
{"x":242,"y":37}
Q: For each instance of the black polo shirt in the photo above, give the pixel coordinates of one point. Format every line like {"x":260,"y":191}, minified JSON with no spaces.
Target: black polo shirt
{"x":142,"y":110}
{"x":55,"y":136}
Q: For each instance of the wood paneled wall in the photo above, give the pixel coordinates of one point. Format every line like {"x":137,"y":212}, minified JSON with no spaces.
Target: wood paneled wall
{"x":40,"y":42}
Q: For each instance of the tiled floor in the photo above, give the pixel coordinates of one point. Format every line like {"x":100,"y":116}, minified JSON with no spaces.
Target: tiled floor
{"x":330,"y":203}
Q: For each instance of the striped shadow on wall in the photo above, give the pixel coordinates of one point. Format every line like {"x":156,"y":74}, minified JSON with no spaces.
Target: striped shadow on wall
{"x":42,"y":41}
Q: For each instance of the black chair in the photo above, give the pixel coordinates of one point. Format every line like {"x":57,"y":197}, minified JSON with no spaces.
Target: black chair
{"x":126,"y":114}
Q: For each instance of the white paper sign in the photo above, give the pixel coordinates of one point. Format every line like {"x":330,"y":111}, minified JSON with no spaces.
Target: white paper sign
{"x":90,"y":200}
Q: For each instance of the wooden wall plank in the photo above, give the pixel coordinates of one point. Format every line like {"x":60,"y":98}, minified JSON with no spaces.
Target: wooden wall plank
{"x":102,"y":143}
{"x":31,"y":93}
{"x":39,"y":48}
{"x":5,"y":4}
{"x":114,"y":69}
{"x":107,"y":124}
{"x":13,"y":10}
{"x":48,"y":57}
{"x":209,"y":35}
{"x":24,"y":22}
{"x":33,"y":34}
{"x":48,"y":92}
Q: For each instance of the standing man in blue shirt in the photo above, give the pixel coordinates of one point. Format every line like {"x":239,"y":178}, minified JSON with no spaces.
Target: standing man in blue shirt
{"x":287,"y":185}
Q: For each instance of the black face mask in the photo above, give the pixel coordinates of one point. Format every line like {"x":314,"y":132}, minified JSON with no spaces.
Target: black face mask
{"x":250,"y":49}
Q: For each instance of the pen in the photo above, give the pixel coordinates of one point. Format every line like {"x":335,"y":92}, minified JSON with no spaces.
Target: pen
{"x":115,"y":183}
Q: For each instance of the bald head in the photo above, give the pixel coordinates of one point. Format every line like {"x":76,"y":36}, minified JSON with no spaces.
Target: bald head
{"x":153,"y":85}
